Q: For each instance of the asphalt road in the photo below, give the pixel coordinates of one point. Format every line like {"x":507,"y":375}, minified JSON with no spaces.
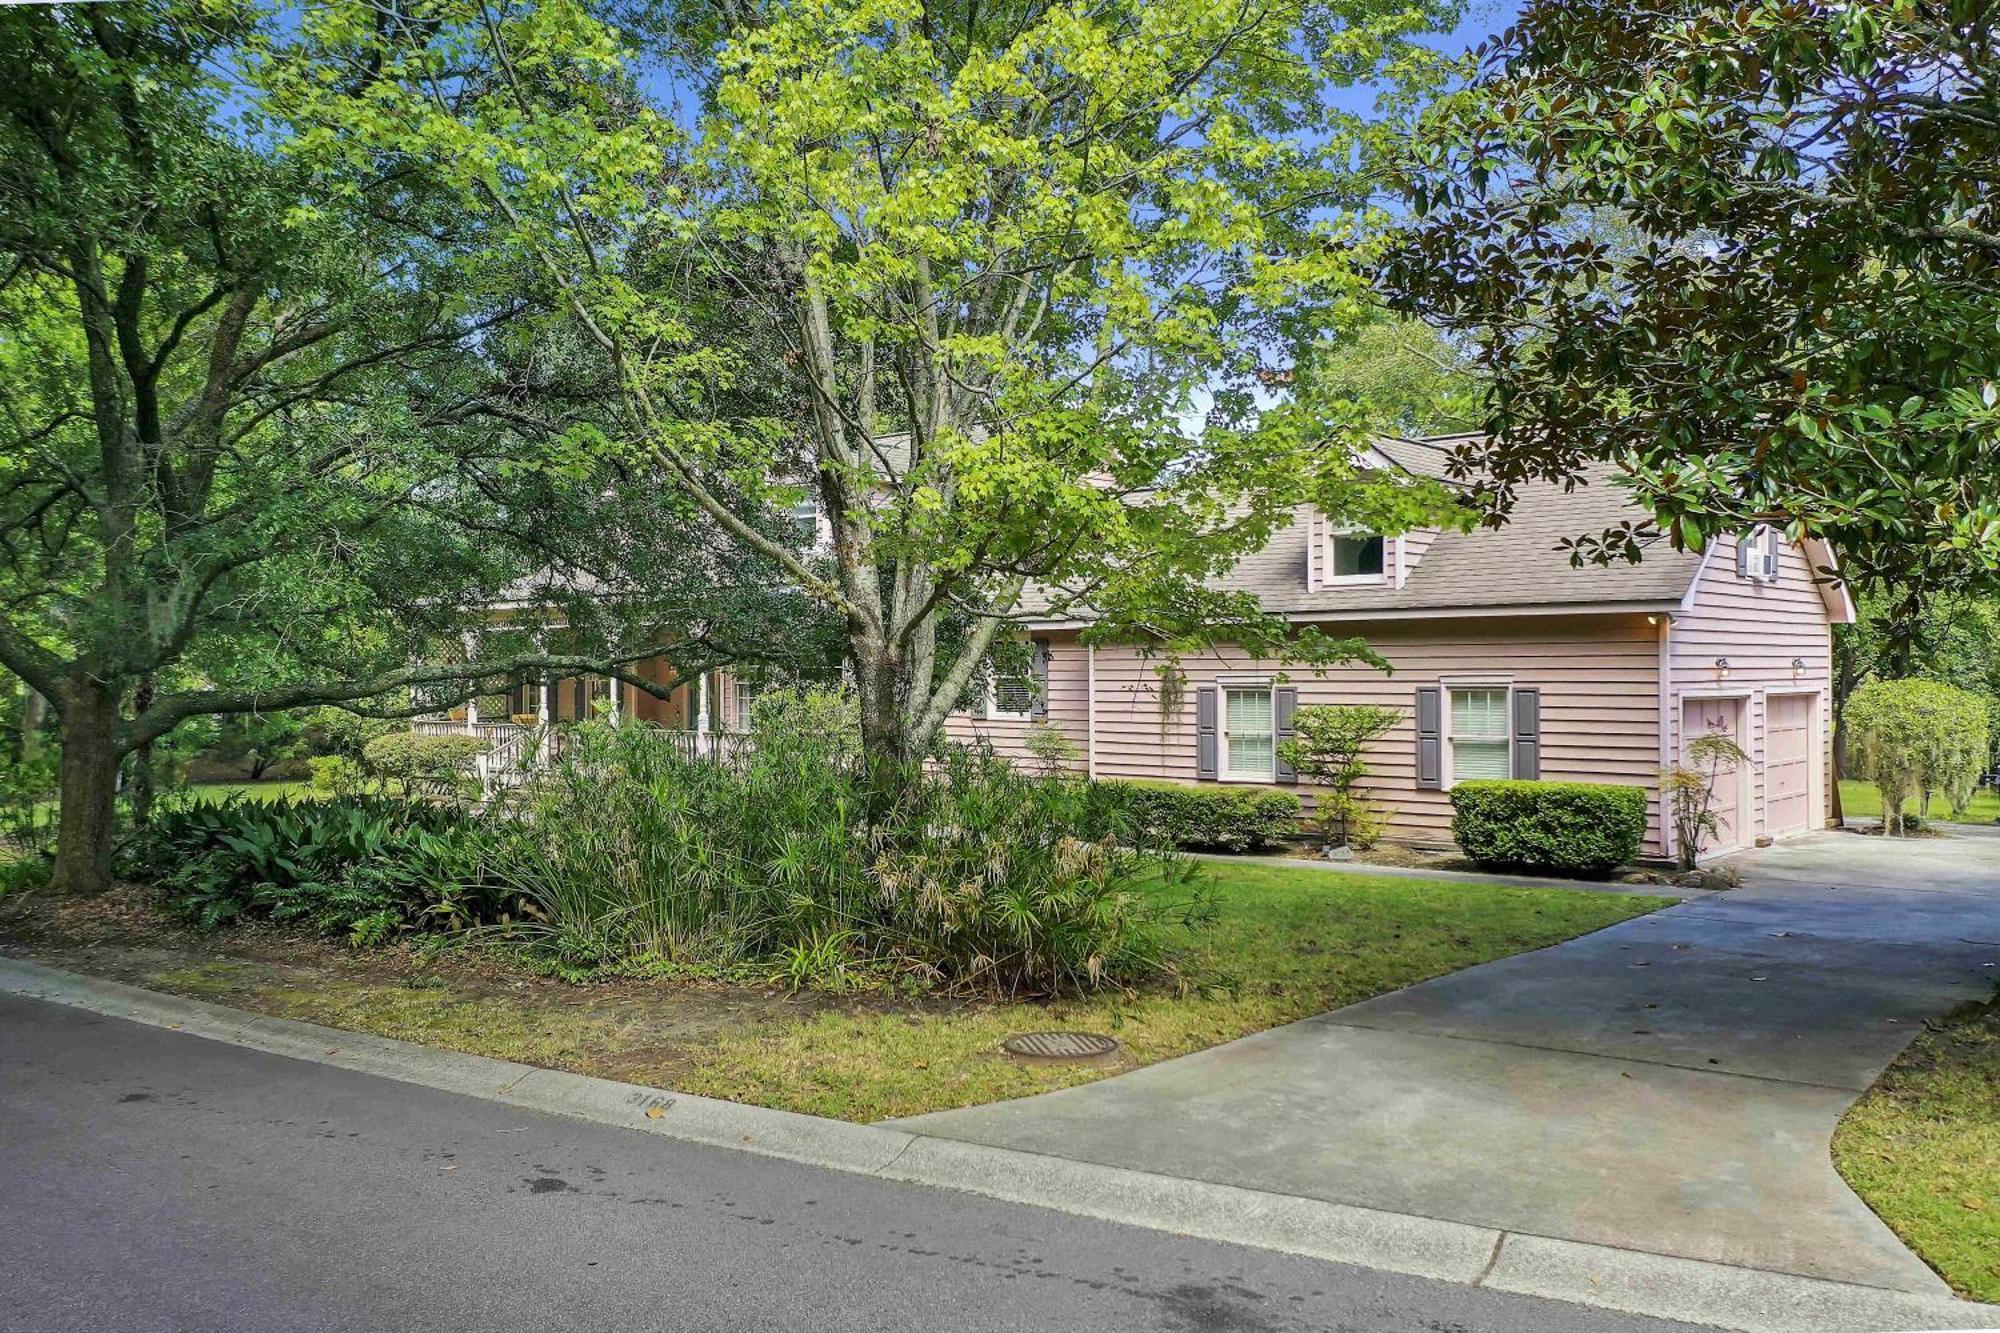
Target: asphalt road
{"x":151,"y":1180}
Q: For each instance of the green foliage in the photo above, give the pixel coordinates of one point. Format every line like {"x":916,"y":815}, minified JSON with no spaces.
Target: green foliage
{"x":832,"y":713}
{"x":1415,"y":380}
{"x":337,"y":775}
{"x":1584,"y":829}
{"x":1220,"y":818}
{"x":1051,"y":748}
{"x":1918,"y":738}
{"x":367,"y":867}
{"x":1739,"y":249}
{"x":335,"y":731}
{"x":432,"y":765}
{"x":983,"y":878}
{"x":1025,"y":241}
{"x":1688,"y":791}
{"x":1326,"y":749}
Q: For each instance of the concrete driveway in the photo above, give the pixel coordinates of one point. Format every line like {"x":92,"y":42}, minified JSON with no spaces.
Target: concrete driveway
{"x":1668,"y":1085}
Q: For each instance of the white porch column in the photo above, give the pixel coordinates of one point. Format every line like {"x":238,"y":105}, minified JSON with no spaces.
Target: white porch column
{"x":472,"y":703}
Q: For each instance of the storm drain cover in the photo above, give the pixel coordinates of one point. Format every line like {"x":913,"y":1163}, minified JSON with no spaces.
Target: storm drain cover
{"x":1059,"y":1045}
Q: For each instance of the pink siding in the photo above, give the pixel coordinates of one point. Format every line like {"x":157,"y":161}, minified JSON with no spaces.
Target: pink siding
{"x":1410,"y":550}
{"x":1760,"y":628}
{"x":1599,"y":677}
{"x":1069,"y":707}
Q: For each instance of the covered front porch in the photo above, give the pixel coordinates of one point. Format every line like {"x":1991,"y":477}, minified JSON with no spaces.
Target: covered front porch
{"x":524,"y":727}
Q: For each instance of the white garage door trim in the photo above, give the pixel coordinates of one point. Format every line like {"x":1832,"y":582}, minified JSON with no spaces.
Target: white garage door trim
{"x":1742,"y":832}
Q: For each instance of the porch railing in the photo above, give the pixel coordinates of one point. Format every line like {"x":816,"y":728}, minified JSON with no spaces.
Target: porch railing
{"x":513,"y":750}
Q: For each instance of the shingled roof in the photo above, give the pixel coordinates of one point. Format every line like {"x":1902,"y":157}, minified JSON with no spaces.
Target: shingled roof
{"x":1487,"y":570}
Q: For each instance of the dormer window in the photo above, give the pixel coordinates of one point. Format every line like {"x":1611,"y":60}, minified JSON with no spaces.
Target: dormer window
{"x":1358,"y":557}
{"x":1757,"y":555}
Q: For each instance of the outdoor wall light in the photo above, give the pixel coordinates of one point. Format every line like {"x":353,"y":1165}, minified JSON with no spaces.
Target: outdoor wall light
{"x":1798,"y":666}
{"x":1722,"y":666}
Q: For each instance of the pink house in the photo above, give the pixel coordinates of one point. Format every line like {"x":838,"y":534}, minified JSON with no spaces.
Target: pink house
{"x":1505,"y":660}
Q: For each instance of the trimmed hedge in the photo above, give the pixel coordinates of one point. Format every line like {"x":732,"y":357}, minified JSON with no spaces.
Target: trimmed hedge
{"x":1224,"y":819}
{"x":437,"y":762}
{"x":1586,"y":829}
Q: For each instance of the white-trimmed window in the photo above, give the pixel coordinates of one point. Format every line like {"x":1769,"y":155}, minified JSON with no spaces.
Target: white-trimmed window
{"x":805,"y":518}
{"x":1010,"y":694}
{"x":1757,"y":554}
{"x":1355,"y":556}
{"x":1249,"y":733}
{"x":1478,"y":739}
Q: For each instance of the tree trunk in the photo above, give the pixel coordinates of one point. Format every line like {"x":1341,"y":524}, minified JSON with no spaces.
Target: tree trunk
{"x":89,"y":790}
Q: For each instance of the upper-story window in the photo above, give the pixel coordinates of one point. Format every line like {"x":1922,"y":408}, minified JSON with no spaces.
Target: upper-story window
{"x":805,"y":518}
{"x":1358,"y":557}
{"x":1757,"y":555}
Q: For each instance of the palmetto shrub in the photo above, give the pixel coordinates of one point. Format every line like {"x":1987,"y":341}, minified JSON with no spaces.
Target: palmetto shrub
{"x":979,"y":877}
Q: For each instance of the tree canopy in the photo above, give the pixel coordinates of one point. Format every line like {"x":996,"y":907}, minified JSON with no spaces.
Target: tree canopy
{"x":270,"y":435}
{"x":1746,"y":252}
{"x":1026,"y":267}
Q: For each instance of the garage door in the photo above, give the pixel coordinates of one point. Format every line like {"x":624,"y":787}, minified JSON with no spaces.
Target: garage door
{"x":1788,"y":795}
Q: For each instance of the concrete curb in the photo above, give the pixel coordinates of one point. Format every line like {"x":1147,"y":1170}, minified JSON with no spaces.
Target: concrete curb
{"x":1749,"y":1300}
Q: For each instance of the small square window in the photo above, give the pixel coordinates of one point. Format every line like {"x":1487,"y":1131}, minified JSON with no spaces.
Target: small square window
{"x":1758,"y":555}
{"x":1358,"y":555}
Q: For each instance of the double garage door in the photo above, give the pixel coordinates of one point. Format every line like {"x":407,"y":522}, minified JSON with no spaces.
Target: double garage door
{"x":1786,"y":757}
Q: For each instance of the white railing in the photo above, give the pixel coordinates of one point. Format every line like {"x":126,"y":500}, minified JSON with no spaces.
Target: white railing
{"x":514,"y":751}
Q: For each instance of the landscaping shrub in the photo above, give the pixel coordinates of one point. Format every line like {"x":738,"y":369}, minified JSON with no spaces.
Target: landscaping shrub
{"x":430,"y":765}
{"x":980,"y":877}
{"x":1224,"y":819}
{"x":1917,"y":738}
{"x":366,"y":867}
{"x":1567,"y":828}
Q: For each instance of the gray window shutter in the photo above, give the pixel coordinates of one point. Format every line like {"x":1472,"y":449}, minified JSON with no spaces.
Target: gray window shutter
{"x":1039,"y":709}
{"x":1743,"y":555}
{"x":1528,"y":734}
{"x":1430,"y":738}
{"x":1285,"y":706}
{"x":1207,"y":749}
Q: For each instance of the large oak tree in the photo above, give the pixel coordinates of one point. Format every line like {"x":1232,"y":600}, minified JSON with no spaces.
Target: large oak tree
{"x":270,"y":437}
{"x":1745,"y":251}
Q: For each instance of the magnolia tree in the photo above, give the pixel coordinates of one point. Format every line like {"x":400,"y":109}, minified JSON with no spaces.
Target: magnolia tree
{"x":1026,"y":269}
{"x":1918,"y":738}
{"x":1745,"y":251}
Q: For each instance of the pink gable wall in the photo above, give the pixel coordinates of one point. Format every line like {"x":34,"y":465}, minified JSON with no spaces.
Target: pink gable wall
{"x":1759,"y":628}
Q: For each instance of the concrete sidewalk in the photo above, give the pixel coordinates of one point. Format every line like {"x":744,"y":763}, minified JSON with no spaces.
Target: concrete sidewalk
{"x":1668,"y":1085}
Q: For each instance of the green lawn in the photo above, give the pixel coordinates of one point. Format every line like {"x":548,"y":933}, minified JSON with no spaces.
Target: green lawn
{"x":1860,"y":800}
{"x":1923,"y":1148}
{"x":218,"y":792}
{"x":1291,"y":941}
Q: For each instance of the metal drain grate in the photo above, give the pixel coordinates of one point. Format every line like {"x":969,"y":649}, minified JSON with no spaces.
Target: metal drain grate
{"x":1059,"y":1045}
